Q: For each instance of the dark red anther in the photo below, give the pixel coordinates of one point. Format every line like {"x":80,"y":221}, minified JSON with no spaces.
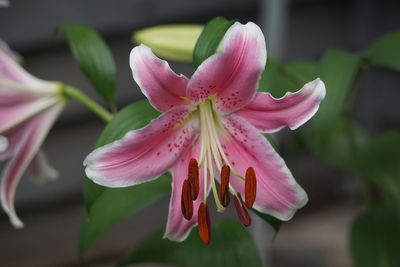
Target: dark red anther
{"x":203,"y":220}
{"x":193,"y":177}
{"x":250,"y":187}
{"x":224,"y":187}
{"x":241,"y":210}
{"x":186,"y":201}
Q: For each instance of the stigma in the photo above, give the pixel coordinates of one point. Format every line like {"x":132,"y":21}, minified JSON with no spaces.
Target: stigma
{"x":213,"y":163}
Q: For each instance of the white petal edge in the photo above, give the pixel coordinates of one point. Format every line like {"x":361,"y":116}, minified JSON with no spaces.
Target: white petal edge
{"x":319,"y":92}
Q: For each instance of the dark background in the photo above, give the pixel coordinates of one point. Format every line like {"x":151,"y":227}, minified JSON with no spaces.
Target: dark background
{"x":302,"y":29}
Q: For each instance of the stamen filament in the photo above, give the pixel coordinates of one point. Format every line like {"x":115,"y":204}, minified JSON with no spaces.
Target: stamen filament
{"x":208,"y":138}
{"x":211,"y":151}
{"x":213,"y":132}
{"x":233,"y":191}
{"x":205,"y":181}
{"x":220,"y":208}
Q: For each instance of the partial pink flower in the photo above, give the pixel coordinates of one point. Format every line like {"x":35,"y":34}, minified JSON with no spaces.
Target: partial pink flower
{"x":28,"y":108}
{"x":211,"y":125}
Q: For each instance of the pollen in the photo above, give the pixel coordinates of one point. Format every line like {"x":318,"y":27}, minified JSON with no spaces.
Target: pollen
{"x":250,"y":187}
{"x":193,"y":177}
{"x":203,"y":220}
{"x":241,"y":210}
{"x":186,"y":201}
{"x":224,"y":187}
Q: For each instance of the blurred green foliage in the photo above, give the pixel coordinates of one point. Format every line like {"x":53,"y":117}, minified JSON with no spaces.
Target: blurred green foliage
{"x":209,"y":39}
{"x":231,"y":245}
{"x":94,"y":58}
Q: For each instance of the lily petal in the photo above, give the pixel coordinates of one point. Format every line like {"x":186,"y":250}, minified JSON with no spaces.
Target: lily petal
{"x":14,"y":110}
{"x":144,"y":154}
{"x":6,"y":49}
{"x":14,"y":138}
{"x":269,"y":114}
{"x":232,"y":74}
{"x":178,"y":228}
{"x":32,"y":134}
{"x":14,"y":77}
{"x":162,"y":87}
{"x":40,"y":170}
{"x":278,"y":193}
{"x":3,"y":143}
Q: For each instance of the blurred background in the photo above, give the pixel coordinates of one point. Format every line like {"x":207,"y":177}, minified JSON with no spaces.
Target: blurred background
{"x":294,"y":29}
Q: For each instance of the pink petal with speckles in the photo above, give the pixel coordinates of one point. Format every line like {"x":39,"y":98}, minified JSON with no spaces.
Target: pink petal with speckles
{"x":232,"y":74}
{"x":278,"y":193}
{"x":162,"y":87}
{"x":269,"y":114}
{"x":144,"y":154}
{"x":178,"y":228}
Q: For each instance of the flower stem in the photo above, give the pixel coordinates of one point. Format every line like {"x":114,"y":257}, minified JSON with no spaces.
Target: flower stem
{"x":76,"y":94}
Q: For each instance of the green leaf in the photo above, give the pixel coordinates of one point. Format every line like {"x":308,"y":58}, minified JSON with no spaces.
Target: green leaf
{"x":174,"y":42}
{"x":302,"y":70}
{"x":93,"y":56}
{"x":279,"y":78}
{"x":231,"y":245}
{"x":209,"y":39}
{"x":345,"y":141}
{"x":375,"y":234}
{"x":337,"y":69}
{"x":274,"y":81}
{"x":114,"y":204}
{"x":375,"y":237}
{"x":132,"y":117}
{"x":385,"y":51}
{"x":378,"y":162}
{"x":107,"y":206}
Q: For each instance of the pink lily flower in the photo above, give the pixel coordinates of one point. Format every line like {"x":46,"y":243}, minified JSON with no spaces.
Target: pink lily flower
{"x":28,"y":108}
{"x":211,"y":131}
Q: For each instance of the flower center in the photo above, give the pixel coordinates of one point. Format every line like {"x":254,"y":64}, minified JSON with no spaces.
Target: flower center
{"x":212,"y":155}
